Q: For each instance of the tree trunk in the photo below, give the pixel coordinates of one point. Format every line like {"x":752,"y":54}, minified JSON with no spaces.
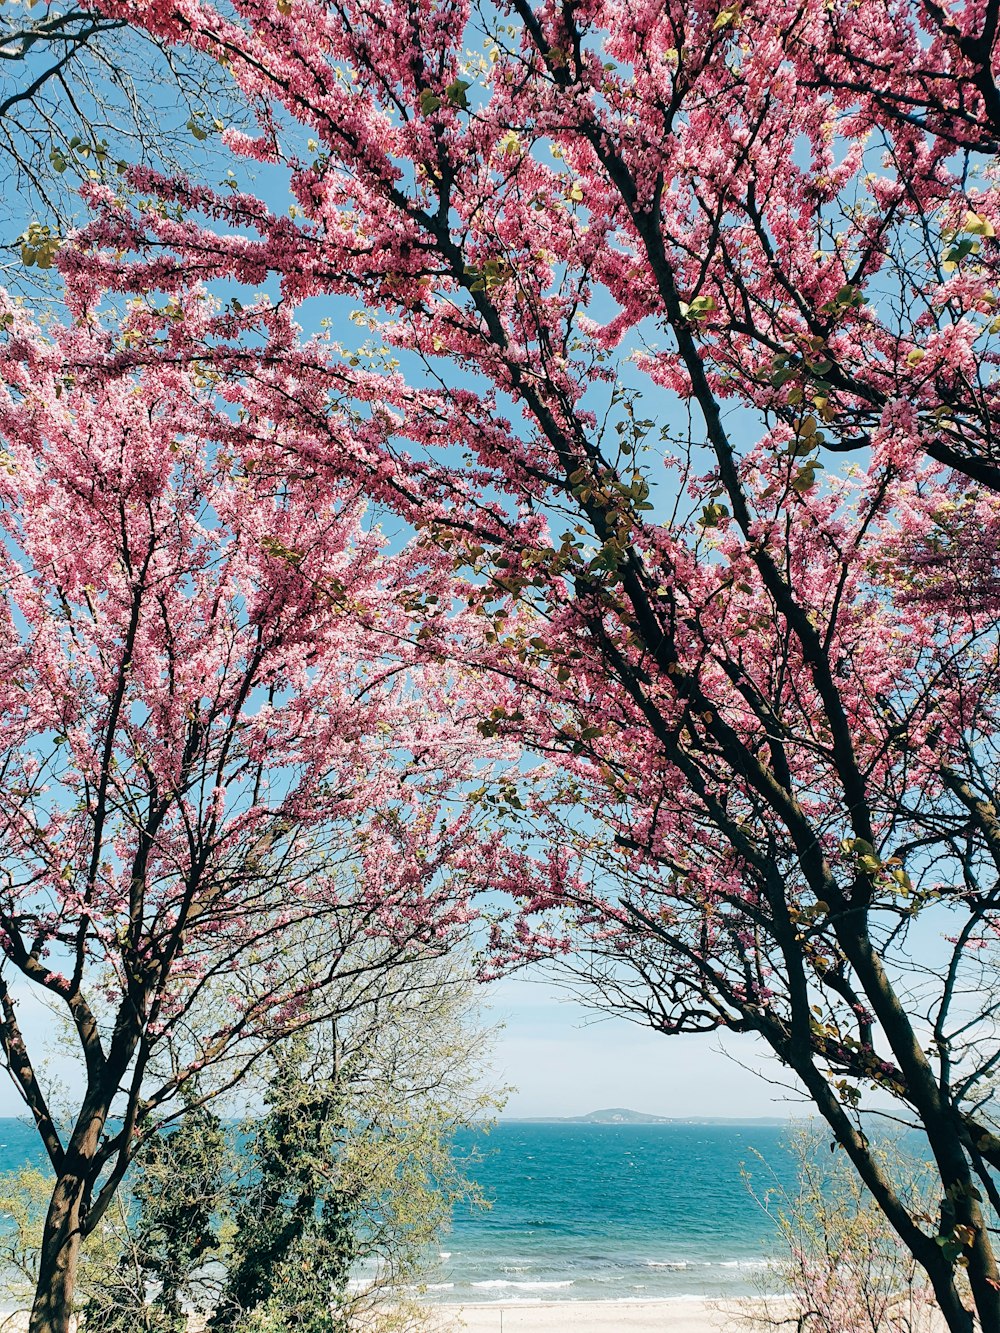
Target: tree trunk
{"x":65,"y":1220}
{"x":53,"y":1304}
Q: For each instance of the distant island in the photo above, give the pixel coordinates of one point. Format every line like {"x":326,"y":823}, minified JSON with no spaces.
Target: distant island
{"x":621,"y":1115}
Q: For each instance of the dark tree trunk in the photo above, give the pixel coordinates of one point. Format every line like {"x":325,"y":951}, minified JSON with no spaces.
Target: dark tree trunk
{"x":65,"y":1222}
{"x":53,"y":1304}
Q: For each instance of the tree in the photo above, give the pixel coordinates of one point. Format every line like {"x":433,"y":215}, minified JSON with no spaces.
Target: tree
{"x":352,"y":1169}
{"x":293,"y":1223}
{"x":166,"y":1232}
{"x":230,"y":794}
{"x":619,"y":375}
{"x":24,"y":1199}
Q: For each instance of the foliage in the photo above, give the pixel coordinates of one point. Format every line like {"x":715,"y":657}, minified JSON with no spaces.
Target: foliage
{"x":167,"y":1231}
{"x":352,"y":1168}
{"x":82,"y":98}
{"x":24,"y":1197}
{"x":293,"y":1245}
{"x":845,"y":1267}
{"x":637,"y":277}
{"x":348,"y":1170}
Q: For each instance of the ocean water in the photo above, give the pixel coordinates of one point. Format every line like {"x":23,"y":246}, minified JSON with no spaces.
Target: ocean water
{"x":19,"y":1145}
{"x":614,"y":1212}
{"x":595,"y":1212}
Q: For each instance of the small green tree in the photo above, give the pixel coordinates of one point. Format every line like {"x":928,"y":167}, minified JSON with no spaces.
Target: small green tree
{"x":170,"y":1232}
{"x":352,"y":1170}
{"x":24,"y":1198}
{"x":293,"y":1243}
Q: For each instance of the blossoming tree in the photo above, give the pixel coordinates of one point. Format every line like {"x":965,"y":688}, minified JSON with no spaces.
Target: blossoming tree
{"x":646,"y":271}
{"x":223,"y":801}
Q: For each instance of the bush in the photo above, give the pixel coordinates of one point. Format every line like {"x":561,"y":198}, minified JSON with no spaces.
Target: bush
{"x":846,"y":1270}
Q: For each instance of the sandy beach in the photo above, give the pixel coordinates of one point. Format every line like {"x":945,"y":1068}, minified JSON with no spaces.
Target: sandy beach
{"x":684,"y":1315}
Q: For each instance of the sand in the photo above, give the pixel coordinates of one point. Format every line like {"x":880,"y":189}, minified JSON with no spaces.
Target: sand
{"x":667,"y":1316}
{"x":684,"y":1315}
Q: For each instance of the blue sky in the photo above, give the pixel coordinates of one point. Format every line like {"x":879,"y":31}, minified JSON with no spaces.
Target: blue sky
{"x":560,"y":1057}
{"x":565,"y":1059}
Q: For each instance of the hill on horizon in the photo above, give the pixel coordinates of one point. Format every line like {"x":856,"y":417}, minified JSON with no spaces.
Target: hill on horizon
{"x":622,"y":1115}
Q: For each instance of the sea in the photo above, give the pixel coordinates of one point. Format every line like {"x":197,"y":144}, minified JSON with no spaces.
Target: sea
{"x":617,"y":1212}
{"x":597,"y":1211}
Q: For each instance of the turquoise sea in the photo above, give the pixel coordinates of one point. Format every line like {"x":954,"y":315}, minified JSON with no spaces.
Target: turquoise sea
{"x":613,"y":1212}
{"x":596,"y":1212}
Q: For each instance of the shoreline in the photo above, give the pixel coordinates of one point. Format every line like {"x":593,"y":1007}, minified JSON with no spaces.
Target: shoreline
{"x":664,"y":1314}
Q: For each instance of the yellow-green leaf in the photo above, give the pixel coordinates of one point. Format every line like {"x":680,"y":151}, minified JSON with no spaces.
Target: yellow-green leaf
{"x":978,"y":225}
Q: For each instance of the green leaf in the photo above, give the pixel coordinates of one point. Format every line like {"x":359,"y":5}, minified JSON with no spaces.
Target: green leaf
{"x":978,"y":225}
{"x":712,"y":515}
{"x":727,"y":16}
{"x":957,"y":253}
{"x":805,"y":479}
{"x":429,"y":102}
{"x":456,"y":93}
{"x":698,"y":308}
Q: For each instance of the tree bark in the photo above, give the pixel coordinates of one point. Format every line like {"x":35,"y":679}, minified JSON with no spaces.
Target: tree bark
{"x":53,"y":1303}
{"x":65,"y":1221}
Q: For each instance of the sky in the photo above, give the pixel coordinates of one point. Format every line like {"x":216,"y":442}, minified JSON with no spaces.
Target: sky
{"x":562,"y":1059}
{"x":565,"y":1059}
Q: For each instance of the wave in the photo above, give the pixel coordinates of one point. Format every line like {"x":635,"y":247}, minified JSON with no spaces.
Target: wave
{"x":495,"y":1284}
{"x":679,"y":1264}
